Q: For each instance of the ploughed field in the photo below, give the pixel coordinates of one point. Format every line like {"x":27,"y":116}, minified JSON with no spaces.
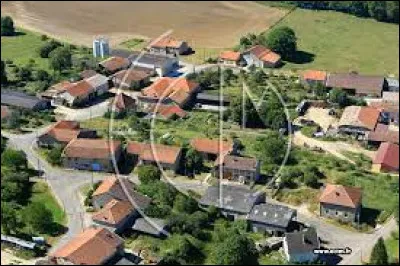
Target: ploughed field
{"x":212,"y":24}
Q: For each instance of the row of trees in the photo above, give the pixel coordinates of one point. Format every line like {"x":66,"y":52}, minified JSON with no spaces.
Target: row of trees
{"x":387,"y":11}
{"x":17,"y":215}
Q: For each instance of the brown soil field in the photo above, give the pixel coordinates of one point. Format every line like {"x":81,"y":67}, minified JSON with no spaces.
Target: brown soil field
{"x":211,"y":24}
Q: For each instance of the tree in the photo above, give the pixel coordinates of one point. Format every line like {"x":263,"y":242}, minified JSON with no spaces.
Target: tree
{"x":60,"y":59}
{"x":148,"y":174}
{"x":193,"y":161}
{"x":340,"y":97}
{"x":271,"y":149}
{"x":236,"y":249}
{"x":283,"y":41}
{"x":379,"y":254}
{"x":3,"y":73}
{"x":181,"y":249}
{"x":14,"y":159}
{"x":38,"y":217}
{"x":7,"y":26}
{"x":54,"y":155}
{"x":47,"y":48}
{"x":185,"y":204}
{"x":42,"y":75}
{"x":9,"y":219}
{"x":359,"y":8}
{"x":378,"y":10}
{"x":24,"y":74}
{"x":392,"y":8}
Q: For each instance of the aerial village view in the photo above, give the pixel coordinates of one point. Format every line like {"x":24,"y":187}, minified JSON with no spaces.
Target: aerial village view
{"x":200,"y":133}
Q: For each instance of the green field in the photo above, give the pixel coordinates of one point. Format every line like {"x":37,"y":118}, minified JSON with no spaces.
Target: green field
{"x":42,"y":193}
{"x":341,"y":42}
{"x":23,"y":47}
{"x":392,"y":246}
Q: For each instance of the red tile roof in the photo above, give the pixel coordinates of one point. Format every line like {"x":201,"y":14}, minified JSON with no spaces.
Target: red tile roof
{"x":178,"y":89}
{"x":62,"y":86}
{"x":81,"y":88}
{"x":161,"y":153}
{"x":113,"y":212}
{"x":315,"y":75}
{"x":388,"y":155}
{"x":115,"y":63}
{"x":211,"y":146}
{"x":91,"y":247}
{"x":383,"y":133}
{"x":341,"y":195}
{"x":230,"y":56}
{"x":92,"y":148}
{"x":167,"y":42}
{"x":64,"y":131}
{"x":67,"y":124}
{"x":236,"y":162}
{"x":264,"y":54}
{"x":360,"y":116}
{"x":362,"y":84}
{"x":131,"y":75}
{"x":168,"y":111}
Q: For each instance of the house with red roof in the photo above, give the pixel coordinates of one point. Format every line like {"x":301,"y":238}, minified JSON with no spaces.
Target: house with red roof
{"x":314,"y":77}
{"x":212,"y":148}
{"x":341,"y":203}
{"x":114,"y":64}
{"x":122,"y":103}
{"x":230,"y":58}
{"x":359,"y":120}
{"x":386,"y":158}
{"x":179,"y":91}
{"x":169,"y":46}
{"x":261,"y":56}
{"x":166,"y":156}
{"x":92,"y":154}
{"x":76,"y":94}
{"x":93,"y":246}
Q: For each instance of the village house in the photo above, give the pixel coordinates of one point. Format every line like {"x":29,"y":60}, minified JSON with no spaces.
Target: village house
{"x":359,"y":120}
{"x":78,"y":94}
{"x":386,"y":159}
{"x":168,"y":157}
{"x":178,"y":91}
{"x":92,"y":154}
{"x":239,"y":169}
{"x":166,"y":112}
{"x":230,"y":58}
{"x":355,"y":84}
{"x":392,"y":84}
{"x":234,"y":202}
{"x":54,"y":91}
{"x":383,"y":133}
{"x":131,"y":79}
{"x":100,"y":83}
{"x":262,"y":57}
{"x":122,"y":103}
{"x":314,"y":77}
{"x":62,"y":132}
{"x":114,"y":64}
{"x":341,"y":203}
{"x":212,"y":148}
{"x":271,"y":218}
{"x":116,"y":216}
{"x":299,"y":246}
{"x":23,"y":101}
{"x":389,"y":109}
{"x":160,"y":64}
{"x":94,"y":246}
{"x":112,"y":188}
{"x":87,"y":73}
{"x":169,"y":46}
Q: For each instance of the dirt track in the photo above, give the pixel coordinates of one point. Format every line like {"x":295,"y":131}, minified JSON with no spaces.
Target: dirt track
{"x":216,"y":24}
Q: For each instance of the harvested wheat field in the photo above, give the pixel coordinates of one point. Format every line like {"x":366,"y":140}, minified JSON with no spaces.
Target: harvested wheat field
{"x":215,"y":24}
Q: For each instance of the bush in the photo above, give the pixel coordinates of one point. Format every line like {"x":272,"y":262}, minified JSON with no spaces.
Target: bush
{"x":148,"y":174}
{"x":47,"y":48}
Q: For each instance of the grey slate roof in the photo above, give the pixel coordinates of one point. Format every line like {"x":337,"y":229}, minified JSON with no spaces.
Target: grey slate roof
{"x":144,"y":226}
{"x":19,"y":99}
{"x":272,"y":214}
{"x":149,"y":59}
{"x":302,"y":242}
{"x":97,"y":80}
{"x":234,"y":198}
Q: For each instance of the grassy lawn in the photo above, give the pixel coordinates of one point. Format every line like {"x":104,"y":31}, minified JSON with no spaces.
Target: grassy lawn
{"x":41,"y":193}
{"x":272,"y":258}
{"x":392,"y":246}
{"x":202,"y":54}
{"x":23,"y":47}
{"x":342,"y":42}
{"x":134,"y":44}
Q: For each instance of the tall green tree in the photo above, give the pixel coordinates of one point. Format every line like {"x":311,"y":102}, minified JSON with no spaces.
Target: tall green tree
{"x":340,"y":97}
{"x":236,"y":249}
{"x":378,"y":10}
{"x":148,"y":173}
{"x":283,"y":41}
{"x":60,"y":59}
{"x":3,"y":73}
{"x":193,"y":161}
{"x":14,"y":159}
{"x":9,"y":218}
{"x":379,"y":254}
{"x":7,"y":26}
